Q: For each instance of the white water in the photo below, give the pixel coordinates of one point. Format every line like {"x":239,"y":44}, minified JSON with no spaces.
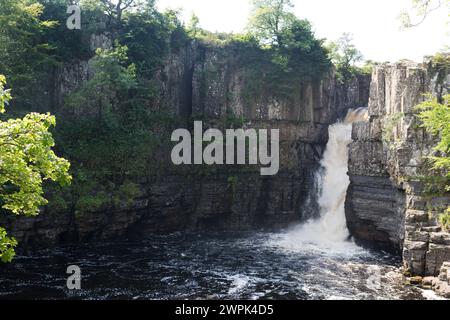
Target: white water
{"x":330,"y":230}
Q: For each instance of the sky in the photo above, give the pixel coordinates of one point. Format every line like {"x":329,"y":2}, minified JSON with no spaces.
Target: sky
{"x":373,"y":23}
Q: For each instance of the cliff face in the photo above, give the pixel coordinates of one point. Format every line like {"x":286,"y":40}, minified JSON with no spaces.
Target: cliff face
{"x":386,"y":202}
{"x":208,"y":82}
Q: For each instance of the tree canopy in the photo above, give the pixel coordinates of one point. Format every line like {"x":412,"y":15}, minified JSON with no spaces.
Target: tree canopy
{"x":420,"y":11}
{"x":26,"y":160}
{"x":345,"y":56}
{"x":270,"y":19}
{"x":293,"y":44}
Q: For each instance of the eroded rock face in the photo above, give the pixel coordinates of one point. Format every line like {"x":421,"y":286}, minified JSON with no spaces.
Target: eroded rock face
{"x":207,"y":82}
{"x":211,"y":81}
{"x":386,"y":203}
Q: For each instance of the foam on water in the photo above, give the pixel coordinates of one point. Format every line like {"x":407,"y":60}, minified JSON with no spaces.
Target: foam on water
{"x":329,"y":233}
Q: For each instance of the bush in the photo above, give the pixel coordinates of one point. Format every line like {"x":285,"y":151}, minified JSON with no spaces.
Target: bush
{"x":93,"y":203}
{"x":444,"y":220}
{"x":126,"y":194}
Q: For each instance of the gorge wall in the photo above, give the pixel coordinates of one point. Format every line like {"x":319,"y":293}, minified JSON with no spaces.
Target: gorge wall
{"x":207,"y":82}
{"x":387,"y":203}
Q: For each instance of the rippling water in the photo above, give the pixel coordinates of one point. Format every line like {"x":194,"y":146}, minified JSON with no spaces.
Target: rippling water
{"x":214,"y":266}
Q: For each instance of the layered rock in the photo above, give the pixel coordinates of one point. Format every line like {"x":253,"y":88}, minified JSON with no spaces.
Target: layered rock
{"x":386,"y":203}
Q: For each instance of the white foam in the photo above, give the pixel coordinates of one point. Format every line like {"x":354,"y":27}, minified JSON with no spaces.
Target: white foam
{"x":431,"y":295}
{"x":329,"y":233}
{"x":238,"y":284}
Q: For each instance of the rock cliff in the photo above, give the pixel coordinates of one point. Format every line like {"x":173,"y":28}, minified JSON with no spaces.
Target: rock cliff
{"x":208,"y":82}
{"x":387,"y":204}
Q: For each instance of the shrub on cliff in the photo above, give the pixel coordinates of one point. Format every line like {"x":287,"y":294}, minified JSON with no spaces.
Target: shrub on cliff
{"x":444,"y":220}
{"x":435,"y":117}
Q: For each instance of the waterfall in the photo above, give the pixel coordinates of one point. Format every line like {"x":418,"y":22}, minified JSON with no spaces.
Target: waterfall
{"x":330,"y":228}
{"x":334,"y":180}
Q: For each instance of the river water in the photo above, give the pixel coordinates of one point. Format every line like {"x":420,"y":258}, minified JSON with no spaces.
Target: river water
{"x":213,"y":266}
{"x":315,"y":260}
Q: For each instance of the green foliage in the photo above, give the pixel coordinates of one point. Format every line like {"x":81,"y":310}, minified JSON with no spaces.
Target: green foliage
{"x":444,"y":220}
{"x":367,"y":68}
{"x":434,"y":185}
{"x":113,"y":127}
{"x":127,"y":192}
{"x":435,"y":119}
{"x":24,"y":52}
{"x":278,"y":54}
{"x":92,"y":203}
{"x":57,"y":203}
{"x":112,"y":80}
{"x":290,"y":44}
{"x":112,"y":131}
{"x":26,"y":159}
{"x":270,"y":20}
{"x":7,"y":245}
{"x":65,"y":44}
{"x":5,"y":94}
{"x":193,"y":28}
{"x":145,"y":34}
{"x":345,"y":56}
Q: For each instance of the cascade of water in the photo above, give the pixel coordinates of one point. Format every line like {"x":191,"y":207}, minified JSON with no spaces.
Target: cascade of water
{"x":335,"y":181}
{"x":330,"y":229}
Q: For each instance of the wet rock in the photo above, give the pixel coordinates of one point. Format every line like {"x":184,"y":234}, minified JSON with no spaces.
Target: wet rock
{"x":373,"y":212}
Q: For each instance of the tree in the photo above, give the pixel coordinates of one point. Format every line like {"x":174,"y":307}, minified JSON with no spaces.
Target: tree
{"x":345,"y":56}
{"x":269,"y":19}
{"x":116,"y":9}
{"x":304,"y":54}
{"x":421,"y":9}
{"x":294,"y":50}
{"x":193,"y":27}
{"x":26,"y":160}
{"x":111,"y":79}
{"x":24,"y":54}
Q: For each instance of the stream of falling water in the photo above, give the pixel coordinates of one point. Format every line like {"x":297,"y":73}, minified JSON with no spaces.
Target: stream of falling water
{"x":335,"y":181}
{"x":329,"y":230}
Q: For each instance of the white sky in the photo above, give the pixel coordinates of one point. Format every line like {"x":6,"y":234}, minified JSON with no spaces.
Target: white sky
{"x":373,"y":23}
